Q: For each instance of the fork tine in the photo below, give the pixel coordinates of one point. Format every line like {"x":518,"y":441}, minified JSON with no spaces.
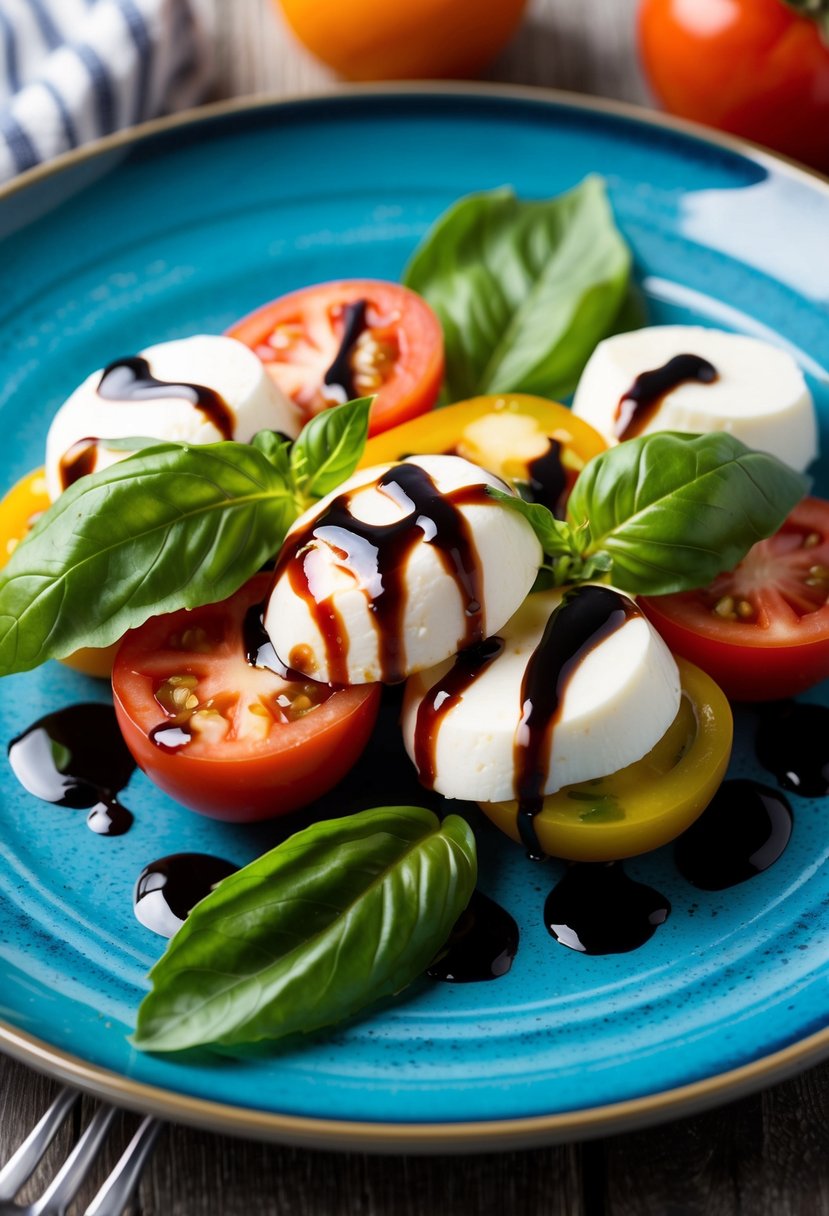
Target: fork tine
{"x":24,"y":1162}
{"x":119,"y":1186}
{"x":61,"y":1191}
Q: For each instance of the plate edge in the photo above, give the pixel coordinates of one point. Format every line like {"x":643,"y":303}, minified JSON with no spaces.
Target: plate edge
{"x":417,"y":1138}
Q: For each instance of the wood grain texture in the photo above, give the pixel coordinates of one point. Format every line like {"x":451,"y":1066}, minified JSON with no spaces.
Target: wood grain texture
{"x":764,"y":1156}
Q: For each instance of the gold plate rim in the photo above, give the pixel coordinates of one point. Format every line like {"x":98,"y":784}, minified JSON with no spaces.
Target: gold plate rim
{"x":480,"y":1135}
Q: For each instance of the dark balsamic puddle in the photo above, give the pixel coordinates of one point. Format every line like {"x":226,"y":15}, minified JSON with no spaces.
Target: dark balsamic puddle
{"x":742,"y":832}
{"x":792,"y":742}
{"x":598,"y":909}
{"x":76,"y":758}
{"x":168,"y":889}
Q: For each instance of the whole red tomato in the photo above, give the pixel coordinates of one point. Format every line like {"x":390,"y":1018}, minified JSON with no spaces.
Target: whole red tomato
{"x":756,"y":68}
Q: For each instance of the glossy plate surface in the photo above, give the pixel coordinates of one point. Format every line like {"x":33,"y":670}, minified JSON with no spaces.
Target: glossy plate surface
{"x":186,"y":230}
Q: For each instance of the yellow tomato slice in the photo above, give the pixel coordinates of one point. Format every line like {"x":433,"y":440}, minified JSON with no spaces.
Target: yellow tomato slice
{"x":501,"y":433}
{"x":645,"y":805}
{"x":19,"y":512}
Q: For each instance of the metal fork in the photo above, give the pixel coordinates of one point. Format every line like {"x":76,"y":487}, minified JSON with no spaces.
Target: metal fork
{"x":116,"y":1192}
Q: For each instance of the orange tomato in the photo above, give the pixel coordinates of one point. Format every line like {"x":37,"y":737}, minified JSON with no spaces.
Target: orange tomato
{"x":752,"y":67}
{"x":378,"y":40}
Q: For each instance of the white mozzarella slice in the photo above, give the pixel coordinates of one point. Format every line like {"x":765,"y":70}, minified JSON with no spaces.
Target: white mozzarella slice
{"x":222,"y":364}
{"x":433,"y":618}
{"x":619,"y":699}
{"x":760,"y":395}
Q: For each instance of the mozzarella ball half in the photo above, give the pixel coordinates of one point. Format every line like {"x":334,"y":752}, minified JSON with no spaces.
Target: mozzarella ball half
{"x":618,"y":700}
{"x":425,"y":615}
{"x":221,"y":364}
{"x":759,"y":394}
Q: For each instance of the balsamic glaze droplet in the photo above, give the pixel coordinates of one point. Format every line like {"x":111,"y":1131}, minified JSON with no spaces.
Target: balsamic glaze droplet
{"x":77,"y":758}
{"x":130,"y":379}
{"x":597,"y":909}
{"x":167,"y":890}
{"x":442,"y":696}
{"x":109,"y":819}
{"x":339,"y":379}
{"x":792,"y":742}
{"x":78,"y":460}
{"x":482,"y":945}
{"x":377,"y":556}
{"x":743,"y":830}
{"x":583,"y":619}
{"x":644,"y":397}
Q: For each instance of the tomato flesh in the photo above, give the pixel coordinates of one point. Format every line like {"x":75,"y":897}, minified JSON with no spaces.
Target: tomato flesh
{"x":225,"y":738}
{"x":396,"y":354}
{"x":762,"y":630}
{"x":647,"y":804}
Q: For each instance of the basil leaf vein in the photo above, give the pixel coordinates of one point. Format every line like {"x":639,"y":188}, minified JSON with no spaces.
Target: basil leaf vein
{"x":343,"y":913}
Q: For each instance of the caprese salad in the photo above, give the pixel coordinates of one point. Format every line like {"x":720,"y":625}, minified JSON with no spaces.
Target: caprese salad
{"x":257,"y":531}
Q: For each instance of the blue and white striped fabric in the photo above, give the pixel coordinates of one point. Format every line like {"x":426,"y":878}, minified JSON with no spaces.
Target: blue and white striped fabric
{"x":73,"y":70}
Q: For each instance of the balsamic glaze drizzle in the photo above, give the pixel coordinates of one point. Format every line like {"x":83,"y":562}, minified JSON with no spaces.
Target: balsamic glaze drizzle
{"x":76,"y":758}
{"x":442,"y":696}
{"x":167,"y":890}
{"x":377,"y":554}
{"x":549,"y":481}
{"x":130,"y":379}
{"x":792,"y":742}
{"x":583,"y":619}
{"x":339,"y":379}
{"x":482,"y":945}
{"x":638,"y":405}
{"x":743,"y":830}
{"x":597,"y":909}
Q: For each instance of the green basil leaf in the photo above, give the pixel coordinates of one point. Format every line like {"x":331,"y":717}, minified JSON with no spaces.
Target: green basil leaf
{"x":277,"y":448}
{"x":171,"y":527}
{"x":524,"y":290}
{"x":673,"y":511}
{"x":329,"y":447}
{"x":341,"y":914}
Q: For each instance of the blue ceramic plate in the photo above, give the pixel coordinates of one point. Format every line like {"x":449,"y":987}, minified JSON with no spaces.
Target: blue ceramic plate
{"x":187,"y":227}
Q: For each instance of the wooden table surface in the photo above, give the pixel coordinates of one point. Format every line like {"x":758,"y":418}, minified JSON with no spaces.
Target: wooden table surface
{"x":766,"y":1155}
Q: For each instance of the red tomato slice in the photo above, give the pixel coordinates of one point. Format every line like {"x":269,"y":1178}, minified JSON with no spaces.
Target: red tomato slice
{"x":225,"y":738}
{"x":357,"y":338}
{"x":762,"y":630}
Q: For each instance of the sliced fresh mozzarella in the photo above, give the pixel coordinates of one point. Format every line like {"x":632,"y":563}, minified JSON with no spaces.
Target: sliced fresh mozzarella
{"x":634,"y":384}
{"x":249,"y":401}
{"x":397,"y":569}
{"x":560,"y":701}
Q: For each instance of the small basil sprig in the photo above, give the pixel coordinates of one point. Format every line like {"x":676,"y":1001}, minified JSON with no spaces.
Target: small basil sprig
{"x":339,"y":915}
{"x":524,"y":289}
{"x":328,"y":448}
{"x":665,"y":512}
{"x":174,"y":526}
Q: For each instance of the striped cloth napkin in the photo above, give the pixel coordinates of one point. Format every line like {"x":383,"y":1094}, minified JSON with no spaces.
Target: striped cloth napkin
{"x":73,"y":70}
